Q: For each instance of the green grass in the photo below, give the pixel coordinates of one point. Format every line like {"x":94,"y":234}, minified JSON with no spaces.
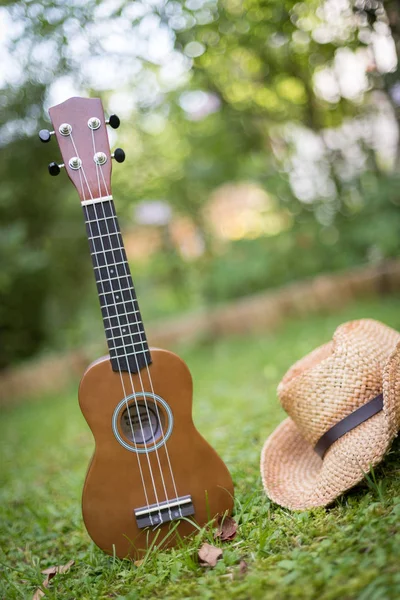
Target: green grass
{"x":350,"y":550}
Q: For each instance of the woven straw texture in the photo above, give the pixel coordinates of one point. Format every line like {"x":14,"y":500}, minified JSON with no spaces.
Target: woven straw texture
{"x":362,"y":361}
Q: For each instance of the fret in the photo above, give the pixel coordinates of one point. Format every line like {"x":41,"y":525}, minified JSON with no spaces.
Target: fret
{"x":114,"y":268}
{"x":121,"y":316}
{"x":107,"y":250}
{"x":118,"y":278}
{"x":101,"y":240}
{"x":132,"y":312}
{"x":99,"y":219}
{"x":104,"y":251}
{"x":118,"y":310}
{"x":105,"y":286}
{"x":112,"y":279}
{"x":122,"y":320}
{"x":107,"y":259}
{"x":118,"y":303}
{"x":117,"y":298}
{"x":103,"y":235}
{"x":101,"y":227}
{"x":122,"y":329}
{"x":131,"y":334}
{"x":123,"y":262}
{"x":133,"y":353}
{"x":110,"y":271}
{"x":107,"y":246}
{"x":142,"y":343}
{"x":117,"y":290}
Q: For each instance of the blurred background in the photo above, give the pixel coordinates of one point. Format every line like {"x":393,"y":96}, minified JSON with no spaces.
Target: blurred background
{"x":262,"y":143}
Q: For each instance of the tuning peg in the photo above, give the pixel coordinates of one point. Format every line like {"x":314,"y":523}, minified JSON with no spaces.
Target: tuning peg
{"x":113,"y":121}
{"x":119,"y":155}
{"x":45,"y":135}
{"x":54,"y":168}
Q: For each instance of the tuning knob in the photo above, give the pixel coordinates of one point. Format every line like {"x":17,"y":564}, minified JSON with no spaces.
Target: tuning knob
{"x":113,"y":121}
{"x":45,"y":135}
{"x":119,"y":155}
{"x":54,"y":169}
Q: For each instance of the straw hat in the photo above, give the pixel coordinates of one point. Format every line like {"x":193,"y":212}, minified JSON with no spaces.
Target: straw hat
{"x":309,"y":460}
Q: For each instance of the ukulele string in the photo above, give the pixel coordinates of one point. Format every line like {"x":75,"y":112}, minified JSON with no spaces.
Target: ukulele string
{"x":120,"y":326}
{"x":108,"y":314}
{"x":132,"y":300}
{"x":142,"y":341}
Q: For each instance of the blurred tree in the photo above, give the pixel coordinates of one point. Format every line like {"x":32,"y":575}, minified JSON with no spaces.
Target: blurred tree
{"x":264,"y":101}
{"x":41,"y":241}
{"x":41,"y":249}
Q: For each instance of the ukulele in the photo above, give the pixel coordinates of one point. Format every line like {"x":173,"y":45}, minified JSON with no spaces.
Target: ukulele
{"x":153,"y":478}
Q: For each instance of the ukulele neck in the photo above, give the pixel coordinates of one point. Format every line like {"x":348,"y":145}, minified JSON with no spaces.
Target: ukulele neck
{"x":122,"y":320}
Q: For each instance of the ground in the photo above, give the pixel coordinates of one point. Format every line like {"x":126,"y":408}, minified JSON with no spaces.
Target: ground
{"x":349,"y":550}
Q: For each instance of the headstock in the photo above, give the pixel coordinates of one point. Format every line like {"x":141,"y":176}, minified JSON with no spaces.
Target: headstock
{"x":80,"y":129}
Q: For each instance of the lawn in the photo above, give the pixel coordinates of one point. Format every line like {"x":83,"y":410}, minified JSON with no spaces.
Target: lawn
{"x":350,"y":550}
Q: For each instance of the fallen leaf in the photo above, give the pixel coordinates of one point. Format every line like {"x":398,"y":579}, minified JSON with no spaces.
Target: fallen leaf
{"x":51,"y":572}
{"x":243,"y":568}
{"x":138,"y":563}
{"x":227,"y":528}
{"x":39,"y":593}
{"x":209,"y":555}
{"x":59,"y":569}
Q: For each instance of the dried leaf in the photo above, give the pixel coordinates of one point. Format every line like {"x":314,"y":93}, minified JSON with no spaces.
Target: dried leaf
{"x":39,"y":593}
{"x":138,"y":563}
{"x":209,"y":555}
{"x":51,"y":572}
{"x":243,"y":568}
{"x":227,"y":528}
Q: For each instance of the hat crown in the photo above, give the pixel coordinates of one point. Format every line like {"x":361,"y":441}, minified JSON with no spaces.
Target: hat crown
{"x":337,"y":378}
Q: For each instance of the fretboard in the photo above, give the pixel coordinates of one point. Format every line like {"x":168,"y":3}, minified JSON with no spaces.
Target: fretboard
{"x":123,"y":325}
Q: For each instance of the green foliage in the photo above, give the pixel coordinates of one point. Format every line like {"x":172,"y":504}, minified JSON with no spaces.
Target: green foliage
{"x":254,"y":64}
{"x":360,"y":232}
{"x":250,"y":266}
{"x":40,"y":247}
{"x":370,"y":217}
{"x":347,"y":551}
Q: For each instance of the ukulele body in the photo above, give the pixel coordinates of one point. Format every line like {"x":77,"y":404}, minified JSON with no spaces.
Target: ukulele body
{"x":123,"y":478}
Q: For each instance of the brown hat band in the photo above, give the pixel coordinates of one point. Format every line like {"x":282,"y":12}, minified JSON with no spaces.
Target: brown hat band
{"x":352,"y":420}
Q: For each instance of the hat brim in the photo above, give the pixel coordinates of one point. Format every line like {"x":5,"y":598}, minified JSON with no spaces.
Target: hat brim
{"x":295,"y":477}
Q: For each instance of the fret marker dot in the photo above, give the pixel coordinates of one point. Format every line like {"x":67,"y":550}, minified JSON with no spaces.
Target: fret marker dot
{"x":124,"y":331}
{"x":117,"y":297}
{"x":111,"y":270}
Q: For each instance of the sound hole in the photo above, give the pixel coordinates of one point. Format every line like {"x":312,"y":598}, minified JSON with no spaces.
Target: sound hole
{"x":142,"y":424}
